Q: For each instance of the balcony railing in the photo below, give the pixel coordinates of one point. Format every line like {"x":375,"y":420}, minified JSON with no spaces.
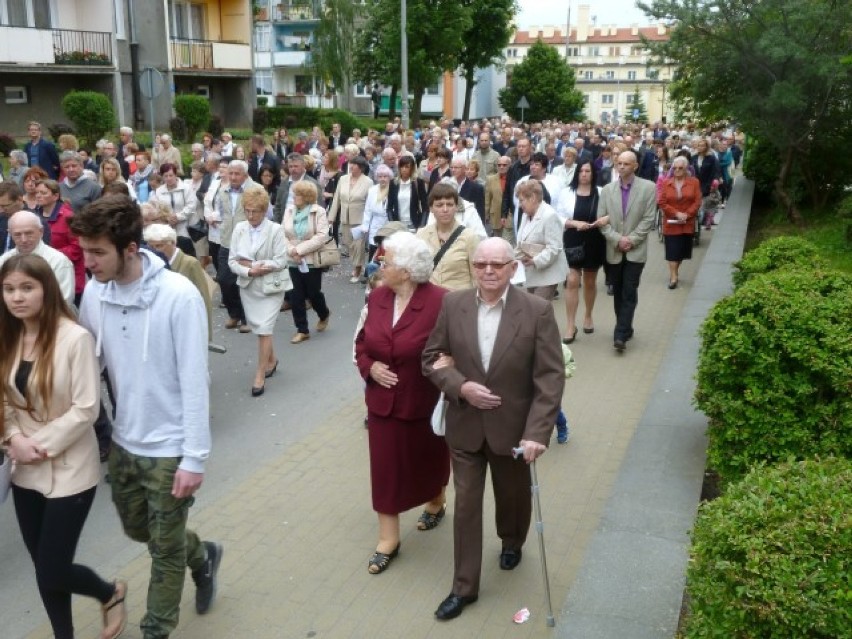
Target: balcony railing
{"x":210,"y":55}
{"x":296,"y":11}
{"x":27,"y":45}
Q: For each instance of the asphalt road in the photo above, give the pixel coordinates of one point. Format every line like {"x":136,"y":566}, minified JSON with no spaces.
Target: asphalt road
{"x":314,"y":380}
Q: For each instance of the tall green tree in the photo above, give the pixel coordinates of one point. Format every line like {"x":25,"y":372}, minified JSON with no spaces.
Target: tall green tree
{"x":435,"y":30}
{"x":636,"y":111}
{"x":490,"y":30}
{"x":334,"y":46}
{"x":547,"y":82}
{"x":775,"y":67}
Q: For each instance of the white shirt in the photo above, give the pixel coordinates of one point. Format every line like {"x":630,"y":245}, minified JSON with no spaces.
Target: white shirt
{"x":404,"y":200}
{"x":487,"y":325}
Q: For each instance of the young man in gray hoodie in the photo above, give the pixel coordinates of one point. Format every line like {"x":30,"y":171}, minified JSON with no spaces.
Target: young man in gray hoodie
{"x":150,"y":333}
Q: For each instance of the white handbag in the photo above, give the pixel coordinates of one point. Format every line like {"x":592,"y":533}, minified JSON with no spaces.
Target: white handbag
{"x":439,"y":416}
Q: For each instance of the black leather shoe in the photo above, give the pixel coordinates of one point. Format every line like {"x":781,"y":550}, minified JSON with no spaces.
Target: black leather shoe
{"x":509,"y":559}
{"x":452,"y":606}
{"x":619,"y":345}
{"x":257,"y":391}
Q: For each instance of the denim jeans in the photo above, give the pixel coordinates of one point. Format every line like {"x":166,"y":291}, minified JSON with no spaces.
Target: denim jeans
{"x":142,"y":494}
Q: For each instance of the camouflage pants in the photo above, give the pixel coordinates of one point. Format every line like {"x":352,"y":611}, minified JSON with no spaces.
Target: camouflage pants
{"x":142,"y":494}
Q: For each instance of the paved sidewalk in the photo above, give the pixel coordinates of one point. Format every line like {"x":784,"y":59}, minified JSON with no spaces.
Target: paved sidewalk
{"x":298,"y":532}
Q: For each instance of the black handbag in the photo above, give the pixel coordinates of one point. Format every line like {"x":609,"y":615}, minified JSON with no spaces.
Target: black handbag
{"x":575,"y":253}
{"x":197,"y":231}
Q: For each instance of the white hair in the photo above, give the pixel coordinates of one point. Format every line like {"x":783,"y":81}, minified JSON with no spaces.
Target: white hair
{"x":23,"y":217}
{"x":411,"y":254}
{"x":20,"y":157}
{"x":159,"y":233}
{"x":126,"y":130}
{"x":165,"y":137}
{"x":242,"y":165}
{"x":197,"y":146}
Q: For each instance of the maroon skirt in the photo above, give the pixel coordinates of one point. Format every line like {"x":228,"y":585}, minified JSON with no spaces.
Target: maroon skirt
{"x":409,"y":464}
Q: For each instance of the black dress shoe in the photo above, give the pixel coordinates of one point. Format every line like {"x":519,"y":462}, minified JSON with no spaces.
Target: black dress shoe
{"x":257,"y":391}
{"x":452,"y":606}
{"x":619,"y":345}
{"x":509,"y":559}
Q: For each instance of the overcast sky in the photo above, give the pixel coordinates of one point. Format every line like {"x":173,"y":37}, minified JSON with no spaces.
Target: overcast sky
{"x":555,"y":12}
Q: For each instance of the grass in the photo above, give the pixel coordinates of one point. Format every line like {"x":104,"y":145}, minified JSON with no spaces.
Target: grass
{"x":826,"y":229}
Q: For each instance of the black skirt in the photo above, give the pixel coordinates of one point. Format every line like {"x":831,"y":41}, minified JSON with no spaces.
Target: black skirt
{"x":593,"y":243}
{"x":678,"y":247}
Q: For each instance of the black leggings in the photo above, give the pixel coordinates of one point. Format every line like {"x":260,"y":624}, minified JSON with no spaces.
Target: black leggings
{"x":51,"y":529}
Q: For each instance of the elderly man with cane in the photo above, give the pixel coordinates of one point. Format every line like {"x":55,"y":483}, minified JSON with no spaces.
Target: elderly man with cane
{"x":496,"y":354}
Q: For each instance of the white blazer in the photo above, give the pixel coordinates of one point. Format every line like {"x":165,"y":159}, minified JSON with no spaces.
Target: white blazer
{"x":550,"y":266}
{"x":271,"y":250}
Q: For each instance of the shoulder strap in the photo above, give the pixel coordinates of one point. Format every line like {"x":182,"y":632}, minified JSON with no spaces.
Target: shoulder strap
{"x":453,"y":236}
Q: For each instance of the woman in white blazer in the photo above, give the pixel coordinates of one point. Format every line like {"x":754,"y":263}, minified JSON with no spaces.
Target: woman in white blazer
{"x":348,"y":204}
{"x":50,"y":391}
{"x":259,"y":252}
{"x":539,"y":246}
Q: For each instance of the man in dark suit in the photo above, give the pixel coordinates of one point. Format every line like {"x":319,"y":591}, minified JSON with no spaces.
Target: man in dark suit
{"x":296,"y":173}
{"x":469,"y":190}
{"x":519,"y":169}
{"x":260,"y":156}
{"x":40,"y":152}
{"x":583,"y":154}
{"x":504,"y":387}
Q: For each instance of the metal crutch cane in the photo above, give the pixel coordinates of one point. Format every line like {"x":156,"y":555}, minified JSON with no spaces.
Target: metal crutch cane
{"x":539,"y":526}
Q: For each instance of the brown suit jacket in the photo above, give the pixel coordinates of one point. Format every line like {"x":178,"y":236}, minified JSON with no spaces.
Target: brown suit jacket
{"x":526,"y":371}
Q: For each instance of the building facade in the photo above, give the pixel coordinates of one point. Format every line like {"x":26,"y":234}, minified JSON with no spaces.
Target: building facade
{"x":611,"y":65}
{"x":49,"y":47}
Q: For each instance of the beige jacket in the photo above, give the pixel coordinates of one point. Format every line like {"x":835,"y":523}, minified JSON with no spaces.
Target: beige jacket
{"x":349,"y":200}
{"x":66,"y":432}
{"x":455,"y":270}
{"x":307,"y":247}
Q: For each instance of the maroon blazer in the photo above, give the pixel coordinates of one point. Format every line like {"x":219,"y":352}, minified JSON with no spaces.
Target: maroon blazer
{"x":400,"y":347}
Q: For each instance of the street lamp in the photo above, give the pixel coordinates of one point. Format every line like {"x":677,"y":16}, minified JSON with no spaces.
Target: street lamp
{"x":404,"y":63}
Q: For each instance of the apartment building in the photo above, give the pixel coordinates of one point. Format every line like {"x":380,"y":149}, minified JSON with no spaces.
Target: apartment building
{"x":610,"y":63}
{"x":49,"y":47}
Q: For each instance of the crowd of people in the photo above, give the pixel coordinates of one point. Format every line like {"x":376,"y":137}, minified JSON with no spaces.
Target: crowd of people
{"x":467,"y":233}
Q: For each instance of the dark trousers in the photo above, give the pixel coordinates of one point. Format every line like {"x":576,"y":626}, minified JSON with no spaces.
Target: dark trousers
{"x":625,"y":277}
{"x":214,"y":256}
{"x":307,"y":286}
{"x":228,"y":285}
{"x":510,"y":480}
{"x":51,"y":529}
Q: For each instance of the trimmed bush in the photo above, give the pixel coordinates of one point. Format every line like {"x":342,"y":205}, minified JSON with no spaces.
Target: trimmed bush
{"x":259,"y":119}
{"x":7,"y":144}
{"x":55,"y":130}
{"x":788,"y":251}
{"x":216,"y":126}
{"x":177,"y":126}
{"x":770,"y":557}
{"x":294,"y":117}
{"x":775,"y":370}
{"x":91,"y":113}
{"x":195,"y":110}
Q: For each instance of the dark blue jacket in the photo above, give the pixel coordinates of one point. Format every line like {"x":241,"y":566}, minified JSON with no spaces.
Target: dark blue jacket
{"x":47,"y":157}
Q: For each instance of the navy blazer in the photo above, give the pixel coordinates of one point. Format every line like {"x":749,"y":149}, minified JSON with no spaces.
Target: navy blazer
{"x":419,"y":209}
{"x":708,"y":172}
{"x":473,"y":192}
{"x":48,"y":158}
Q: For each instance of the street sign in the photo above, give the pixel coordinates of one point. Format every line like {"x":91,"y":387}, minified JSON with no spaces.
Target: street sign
{"x":151,"y":84}
{"x":523,"y":103}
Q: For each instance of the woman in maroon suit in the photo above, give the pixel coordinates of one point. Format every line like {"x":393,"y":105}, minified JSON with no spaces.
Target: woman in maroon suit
{"x":409,"y":464}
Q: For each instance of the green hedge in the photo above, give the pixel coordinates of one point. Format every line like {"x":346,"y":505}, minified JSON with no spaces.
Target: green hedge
{"x":770,"y":557}
{"x":91,"y":113}
{"x":195,"y":110}
{"x":788,"y":251}
{"x":775,"y":370}
{"x":295,"y":117}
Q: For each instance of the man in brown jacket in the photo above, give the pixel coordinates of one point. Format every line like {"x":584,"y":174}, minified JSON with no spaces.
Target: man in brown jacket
{"x":494,"y":185}
{"x":504,"y":387}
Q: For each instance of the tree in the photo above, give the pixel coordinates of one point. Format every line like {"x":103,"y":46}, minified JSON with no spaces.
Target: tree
{"x":195,"y":111}
{"x":775,"y":67}
{"x":489,"y":33}
{"x":547,"y":82}
{"x":334,"y":46}
{"x":435,"y":31}
{"x":636,"y":111}
{"x":91,"y":113}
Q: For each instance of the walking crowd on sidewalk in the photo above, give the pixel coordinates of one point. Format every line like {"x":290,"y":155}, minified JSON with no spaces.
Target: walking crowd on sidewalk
{"x":463,"y":234}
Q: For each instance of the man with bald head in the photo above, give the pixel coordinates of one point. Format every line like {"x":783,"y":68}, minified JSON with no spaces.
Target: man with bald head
{"x":503,"y":382}
{"x":25,"y":229}
{"x":630,"y":206}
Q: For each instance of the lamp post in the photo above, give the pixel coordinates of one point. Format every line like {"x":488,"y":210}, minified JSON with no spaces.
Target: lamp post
{"x":404,"y":63}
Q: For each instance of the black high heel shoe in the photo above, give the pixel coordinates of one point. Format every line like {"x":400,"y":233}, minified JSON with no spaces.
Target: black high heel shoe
{"x":257,"y":391}
{"x":570,"y":340}
{"x":272,"y":370}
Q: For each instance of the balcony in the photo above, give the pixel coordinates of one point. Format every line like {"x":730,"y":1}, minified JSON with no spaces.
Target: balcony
{"x":28,"y":46}
{"x":296,"y":11}
{"x":208,"y":55}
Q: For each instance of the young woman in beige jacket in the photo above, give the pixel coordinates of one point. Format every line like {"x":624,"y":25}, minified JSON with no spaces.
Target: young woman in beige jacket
{"x":50,"y":389}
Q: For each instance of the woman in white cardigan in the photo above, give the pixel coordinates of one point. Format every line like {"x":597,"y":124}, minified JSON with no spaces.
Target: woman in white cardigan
{"x":539,"y":246}
{"x":259,"y":252}
{"x":50,"y":394}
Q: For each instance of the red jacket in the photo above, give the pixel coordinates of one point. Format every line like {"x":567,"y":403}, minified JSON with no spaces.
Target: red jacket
{"x":689,"y":202}
{"x":65,"y":242}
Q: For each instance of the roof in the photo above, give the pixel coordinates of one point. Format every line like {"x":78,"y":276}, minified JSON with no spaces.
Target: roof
{"x":595,"y":35}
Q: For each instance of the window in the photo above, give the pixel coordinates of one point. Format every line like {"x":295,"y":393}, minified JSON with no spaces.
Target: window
{"x":263,"y":81}
{"x":594,"y":51}
{"x":187,"y":20}
{"x":362,"y":90}
{"x":119,"y":19}
{"x":586,"y":99}
{"x":607,"y":98}
{"x":262,"y":36}
{"x":26,"y":13}
{"x":631,"y":75}
{"x":588,"y":75}
{"x":574,"y":51}
{"x":305,"y":84}
{"x":614,"y":51}
{"x":636,"y":50}
{"x":435,"y":89}
{"x":17,"y":95}
{"x":610,"y":75}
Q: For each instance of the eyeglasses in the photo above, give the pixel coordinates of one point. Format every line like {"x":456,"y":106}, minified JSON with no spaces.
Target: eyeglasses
{"x":503,"y":164}
{"x":496,"y":266}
